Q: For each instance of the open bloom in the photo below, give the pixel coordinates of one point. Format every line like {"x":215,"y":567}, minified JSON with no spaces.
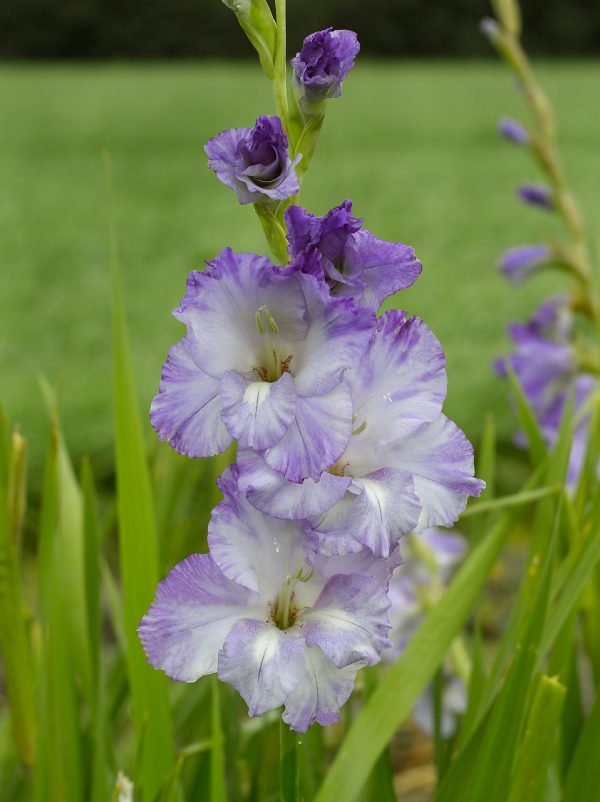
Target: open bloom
{"x":262,"y":361}
{"x":325,"y":59}
{"x":545,"y":363}
{"x":281,"y":627}
{"x":255,"y":162}
{"x":406,"y":465}
{"x":352,"y":261}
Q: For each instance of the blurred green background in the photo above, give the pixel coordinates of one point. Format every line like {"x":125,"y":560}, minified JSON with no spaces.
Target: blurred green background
{"x":413,"y":144}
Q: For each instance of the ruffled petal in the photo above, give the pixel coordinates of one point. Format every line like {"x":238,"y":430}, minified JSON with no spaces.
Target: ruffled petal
{"x":349,"y":620}
{"x":441,"y":460}
{"x":382,"y":507}
{"x":321,"y":693}
{"x":194,"y":610}
{"x":257,"y":413}
{"x":249,"y":547}
{"x":263,"y":663}
{"x":187,"y":410}
{"x":270,"y":492}
{"x":221,"y":304}
{"x":384,"y":267}
{"x":316,"y":438}
{"x":401,"y":381}
{"x":336,"y":339}
{"x":222,"y":152}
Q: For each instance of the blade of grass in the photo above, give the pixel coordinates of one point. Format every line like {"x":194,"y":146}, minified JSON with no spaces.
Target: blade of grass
{"x":582,"y":781}
{"x":538,"y":745}
{"x":138,"y":550}
{"x":58,"y":775}
{"x":15,"y":649}
{"x":483,"y":769}
{"x":537,"y":446}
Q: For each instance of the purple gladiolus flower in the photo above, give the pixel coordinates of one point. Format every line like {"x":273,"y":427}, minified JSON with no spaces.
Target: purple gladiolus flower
{"x":262,"y":361}
{"x":255,"y":162}
{"x":283,"y":627}
{"x":406,"y":465}
{"x":454,"y":703}
{"x":352,"y":261}
{"x":429,"y":558}
{"x":513,"y":131}
{"x":519,"y":263}
{"x":545,"y":364}
{"x":324,"y":61}
{"x":537,"y":195}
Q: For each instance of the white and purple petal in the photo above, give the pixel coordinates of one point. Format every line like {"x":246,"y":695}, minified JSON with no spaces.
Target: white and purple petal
{"x":349,"y":621}
{"x":263,"y":663}
{"x":323,"y":690}
{"x":401,"y":381}
{"x":187,"y":409}
{"x":257,"y":413}
{"x":255,"y":550}
{"x":440,"y":458}
{"x":317,"y":437}
{"x":381,"y":507}
{"x":269,"y":491}
{"x":194,"y":610}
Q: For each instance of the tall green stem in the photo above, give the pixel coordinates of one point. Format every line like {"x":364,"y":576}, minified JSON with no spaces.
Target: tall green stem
{"x":280,"y":81}
{"x":544,"y":148}
{"x":288,"y":764}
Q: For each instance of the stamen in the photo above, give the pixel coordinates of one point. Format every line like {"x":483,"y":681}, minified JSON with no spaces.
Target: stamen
{"x":361,"y":428}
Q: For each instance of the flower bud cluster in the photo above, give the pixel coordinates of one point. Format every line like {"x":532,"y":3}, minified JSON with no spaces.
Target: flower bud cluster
{"x":342,"y":445}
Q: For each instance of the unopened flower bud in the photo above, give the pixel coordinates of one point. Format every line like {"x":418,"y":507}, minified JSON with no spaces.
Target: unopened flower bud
{"x":537,"y":195}
{"x":513,"y":131}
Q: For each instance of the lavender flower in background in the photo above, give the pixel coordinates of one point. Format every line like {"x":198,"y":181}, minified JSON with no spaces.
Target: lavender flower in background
{"x":324,"y":61}
{"x":430,"y":559}
{"x":281,"y":627}
{"x":453,"y":704}
{"x":255,"y":162}
{"x":406,"y":464}
{"x":352,"y":261}
{"x":537,"y":195}
{"x":545,"y":363}
{"x":262,"y":361}
{"x":517,"y":264}
{"x":513,"y":131}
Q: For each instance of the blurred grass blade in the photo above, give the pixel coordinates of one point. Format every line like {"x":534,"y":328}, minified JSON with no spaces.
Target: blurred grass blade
{"x":582,"y":783}
{"x":15,"y":648}
{"x":538,"y":746}
{"x":483,"y":770}
{"x":59,"y":769}
{"x":138,"y":550}
{"x":486,"y":467}
{"x":217,"y":755}
{"x":527,"y":418}
{"x":99,"y":781}
{"x":407,"y":679}
{"x":72,"y":546}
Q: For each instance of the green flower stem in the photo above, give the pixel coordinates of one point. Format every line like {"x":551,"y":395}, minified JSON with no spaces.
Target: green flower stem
{"x":280,"y":79}
{"x":288,"y":764}
{"x":544,"y":149}
{"x":274,"y":232}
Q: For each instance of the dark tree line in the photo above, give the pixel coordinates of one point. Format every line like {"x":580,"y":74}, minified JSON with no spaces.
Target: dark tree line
{"x":98,"y":29}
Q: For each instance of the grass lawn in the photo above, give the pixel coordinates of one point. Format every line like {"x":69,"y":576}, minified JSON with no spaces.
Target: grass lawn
{"x":414,"y":145}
